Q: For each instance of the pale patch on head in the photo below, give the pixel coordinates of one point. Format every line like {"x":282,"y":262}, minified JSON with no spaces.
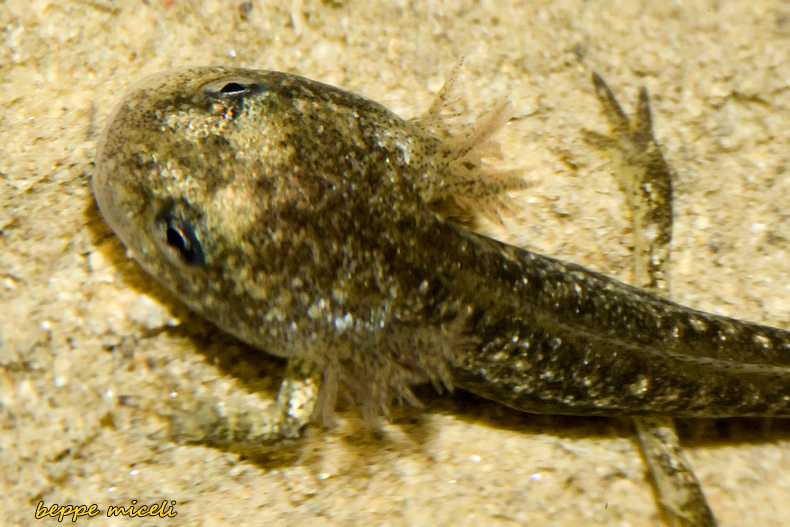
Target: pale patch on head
{"x":234,"y":210}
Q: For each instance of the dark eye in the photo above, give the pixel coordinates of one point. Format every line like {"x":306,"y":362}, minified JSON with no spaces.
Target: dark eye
{"x":179,"y":235}
{"x":234,"y":90}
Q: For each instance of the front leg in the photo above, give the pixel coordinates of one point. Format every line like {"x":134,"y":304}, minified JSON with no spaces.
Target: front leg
{"x":645,"y":178}
{"x":212,"y":423}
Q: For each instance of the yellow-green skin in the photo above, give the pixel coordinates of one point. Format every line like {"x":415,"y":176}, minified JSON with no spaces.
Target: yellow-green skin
{"x":312,"y":223}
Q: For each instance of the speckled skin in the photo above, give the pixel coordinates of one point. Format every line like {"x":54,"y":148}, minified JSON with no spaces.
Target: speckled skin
{"x":311,"y":223}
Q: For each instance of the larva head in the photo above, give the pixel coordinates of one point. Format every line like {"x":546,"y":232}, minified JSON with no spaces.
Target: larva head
{"x":196,"y":174}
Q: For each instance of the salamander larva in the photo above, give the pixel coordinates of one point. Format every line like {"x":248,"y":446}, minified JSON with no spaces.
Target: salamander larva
{"x":316,"y":225}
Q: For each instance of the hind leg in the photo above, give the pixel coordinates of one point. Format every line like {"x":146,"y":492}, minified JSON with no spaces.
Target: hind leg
{"x":646,"y":180}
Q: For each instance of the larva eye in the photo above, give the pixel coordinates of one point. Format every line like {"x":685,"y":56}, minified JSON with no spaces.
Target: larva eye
{"x":233,"y":90}
{"x":177,"y":236}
